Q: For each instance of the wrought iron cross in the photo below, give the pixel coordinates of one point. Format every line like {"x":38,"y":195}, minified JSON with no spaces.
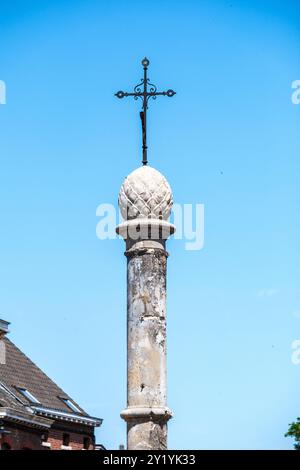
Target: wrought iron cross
{"x":142,"y":91}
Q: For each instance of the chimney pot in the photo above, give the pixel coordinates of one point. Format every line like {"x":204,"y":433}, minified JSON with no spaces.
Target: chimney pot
{"x":3,"y":327}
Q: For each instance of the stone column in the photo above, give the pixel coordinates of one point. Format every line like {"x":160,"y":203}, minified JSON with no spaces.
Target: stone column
{"x":146,"y":413}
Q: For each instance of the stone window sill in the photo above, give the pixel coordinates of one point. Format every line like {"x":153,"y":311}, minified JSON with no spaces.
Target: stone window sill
{"x":46,"y":444}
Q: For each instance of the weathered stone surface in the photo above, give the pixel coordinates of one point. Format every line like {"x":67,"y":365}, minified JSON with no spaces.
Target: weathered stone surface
{"x":145,"y":193}
{"x":146,"y":413}
{"x":147,"y":328}
{"x":147,"y":435}
{"x":149,"y":197}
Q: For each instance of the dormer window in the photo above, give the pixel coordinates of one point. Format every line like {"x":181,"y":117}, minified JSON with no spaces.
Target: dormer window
{"x":70,"y":404}
{"x":28,"y":395}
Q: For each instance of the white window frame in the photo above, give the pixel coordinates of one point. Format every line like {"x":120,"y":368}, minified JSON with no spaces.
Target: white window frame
{"x":26,"y":393}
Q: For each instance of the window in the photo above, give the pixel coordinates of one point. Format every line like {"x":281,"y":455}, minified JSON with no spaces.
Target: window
{"x":86,"y":443}
{"x":5,"y":446}
{"x":66,"y":440}
{"x":27,"y":395}
{"x":70,"y":404}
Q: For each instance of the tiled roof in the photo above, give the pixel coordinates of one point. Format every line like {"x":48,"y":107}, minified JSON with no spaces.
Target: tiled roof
{"x":20,"y":371}
{"x":8,"y":400}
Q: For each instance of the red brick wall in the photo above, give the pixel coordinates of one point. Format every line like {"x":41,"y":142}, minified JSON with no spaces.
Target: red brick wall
{"x":76,"y":440}
{"x":20,"y":438}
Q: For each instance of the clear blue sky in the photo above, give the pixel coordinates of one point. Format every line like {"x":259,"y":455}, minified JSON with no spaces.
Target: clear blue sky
{"x":229,"y":139}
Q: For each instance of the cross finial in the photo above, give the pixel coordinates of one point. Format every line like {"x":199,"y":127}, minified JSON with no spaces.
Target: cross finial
{"x":145,"y":90}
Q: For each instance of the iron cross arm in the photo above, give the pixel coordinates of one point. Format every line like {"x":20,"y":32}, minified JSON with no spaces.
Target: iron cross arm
{"x":145,"y":90}
{"x":123,"y":94}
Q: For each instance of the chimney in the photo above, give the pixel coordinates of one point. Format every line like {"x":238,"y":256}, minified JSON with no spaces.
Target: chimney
{"x":3,"y":328}
{"x":3,"y":331}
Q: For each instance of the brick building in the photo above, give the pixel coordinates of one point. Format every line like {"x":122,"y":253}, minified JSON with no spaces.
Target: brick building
{"x":35,"y":414}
